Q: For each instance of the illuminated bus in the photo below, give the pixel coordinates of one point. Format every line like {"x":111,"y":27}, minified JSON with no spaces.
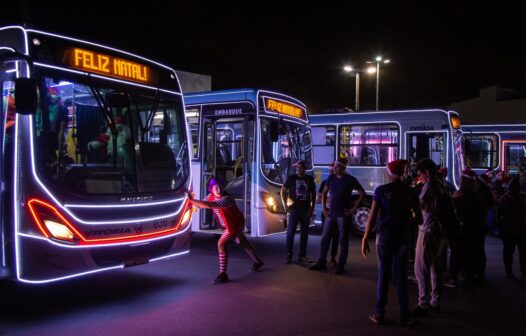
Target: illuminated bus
{"x":249,"y":139}
{"x":372,"y":139}
{"x":95,"y":158}
{"x":495,"y":147}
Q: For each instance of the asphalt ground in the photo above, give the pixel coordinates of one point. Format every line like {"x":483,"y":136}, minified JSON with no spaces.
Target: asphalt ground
{"x":176,"y":297}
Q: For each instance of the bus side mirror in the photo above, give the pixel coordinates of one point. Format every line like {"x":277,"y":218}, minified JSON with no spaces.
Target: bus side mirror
{"x":274,"y":130}
{"x":25,"y":96}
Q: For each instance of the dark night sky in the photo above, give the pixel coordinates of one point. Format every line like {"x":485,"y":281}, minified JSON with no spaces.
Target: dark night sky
{"x":439,"y":53}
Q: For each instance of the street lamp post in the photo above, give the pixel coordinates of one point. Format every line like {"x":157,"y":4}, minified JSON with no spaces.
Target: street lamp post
{"x":356,"y":72}
{"x":350,"y":69}
{"x":378,"y":60}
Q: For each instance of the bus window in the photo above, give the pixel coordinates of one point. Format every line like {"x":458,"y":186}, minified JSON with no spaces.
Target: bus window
{"x":127,"y":149}
{"x":482,"y":151}
{"x":427,"y":145}
{"x":369,"y":145}
{"x":293,"y":144}
{"x":515,"y":157}
{"x":323,"y":141}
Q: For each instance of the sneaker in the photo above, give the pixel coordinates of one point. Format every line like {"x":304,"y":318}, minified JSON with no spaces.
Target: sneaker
{"x":451,"y":283}
{"x":319,"y":266}
{"x":419,"y":311}
{"x":256,"y":266}
{"x":406,"y":320}
{"x":333,"y":262}
{"x":288,"y":259}
{"x":221,"y":278}
{"x":376,"y":319}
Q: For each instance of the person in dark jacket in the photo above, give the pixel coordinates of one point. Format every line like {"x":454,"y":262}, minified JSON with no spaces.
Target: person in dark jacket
{"x":394,"y":206}
{"x":512,"y":212}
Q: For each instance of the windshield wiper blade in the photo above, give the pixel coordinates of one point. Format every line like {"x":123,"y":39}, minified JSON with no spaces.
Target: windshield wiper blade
{"x":107,"y":112}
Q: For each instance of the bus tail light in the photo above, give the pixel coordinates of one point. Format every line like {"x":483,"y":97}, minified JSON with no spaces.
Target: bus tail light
{"x":50,"y":221}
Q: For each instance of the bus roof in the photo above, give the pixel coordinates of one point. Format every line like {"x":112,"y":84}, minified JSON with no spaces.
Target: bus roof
{"x":379,"y":116}
{"x":241,"y":94}
{"x":494,"y":128}
{"x":78,"y":56}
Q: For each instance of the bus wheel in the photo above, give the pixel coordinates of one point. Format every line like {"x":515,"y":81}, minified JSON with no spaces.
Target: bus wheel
{"x":360,"y":217}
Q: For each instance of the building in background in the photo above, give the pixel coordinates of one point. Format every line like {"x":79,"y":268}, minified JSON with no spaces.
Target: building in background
{"x":494,"y":105}
{"x":194,"y":82}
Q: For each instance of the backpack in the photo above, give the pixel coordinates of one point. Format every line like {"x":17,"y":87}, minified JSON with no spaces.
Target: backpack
{"x":449,"y":224}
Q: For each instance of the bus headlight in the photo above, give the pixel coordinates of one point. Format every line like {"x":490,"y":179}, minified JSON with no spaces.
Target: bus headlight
{"x":50,"y":222}
{"x":270,"y":202}
{"x":59,"y":231}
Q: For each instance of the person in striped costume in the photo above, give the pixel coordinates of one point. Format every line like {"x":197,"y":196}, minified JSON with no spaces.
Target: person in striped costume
{"x":231,"y":220}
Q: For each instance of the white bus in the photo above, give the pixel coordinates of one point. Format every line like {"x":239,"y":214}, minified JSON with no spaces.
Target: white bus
{"x":495,"y":147}
{"x":95,"y":158}
{"x":371,"y":139}
{"x":249,"y":139}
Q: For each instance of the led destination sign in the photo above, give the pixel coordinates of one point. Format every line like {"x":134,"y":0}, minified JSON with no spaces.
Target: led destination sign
{"x":93,"y":61}
{"x":282,"y":107}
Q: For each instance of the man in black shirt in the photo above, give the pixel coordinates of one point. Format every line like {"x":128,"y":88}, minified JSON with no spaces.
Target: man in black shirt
{"x":300,"y":189}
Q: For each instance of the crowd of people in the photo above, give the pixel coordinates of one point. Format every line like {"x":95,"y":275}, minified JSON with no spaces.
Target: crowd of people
{"x":425,"y":229}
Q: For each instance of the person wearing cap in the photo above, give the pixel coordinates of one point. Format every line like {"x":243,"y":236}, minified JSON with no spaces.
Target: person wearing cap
{"x":300,"y":189}
{"x":394,"y":206}
{"x":231,"y":220}
{"x":341,"y":186}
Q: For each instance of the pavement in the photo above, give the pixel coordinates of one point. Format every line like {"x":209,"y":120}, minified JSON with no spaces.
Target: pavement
{"x":176,"y":297}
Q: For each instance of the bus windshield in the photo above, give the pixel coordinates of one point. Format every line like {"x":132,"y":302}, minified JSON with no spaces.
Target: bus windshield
{"x":282,"y":144}
{"x":94,"y":139}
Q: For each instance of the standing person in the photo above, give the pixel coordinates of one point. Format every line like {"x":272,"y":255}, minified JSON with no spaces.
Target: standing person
{"x":512,"y":223}
{"x":301,"y":190}
{"x":231,"y":220}
{"x":486,"y":201}
{"x":333,"y":240}
{"x":394,"y":206}
{"x":340,"y":185}
{"x":430,"y":242}
{"x":461,"y":253}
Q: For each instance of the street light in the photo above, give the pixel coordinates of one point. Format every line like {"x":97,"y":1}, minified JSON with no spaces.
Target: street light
{"x":378,"y":60}
{"x":356,"y":72}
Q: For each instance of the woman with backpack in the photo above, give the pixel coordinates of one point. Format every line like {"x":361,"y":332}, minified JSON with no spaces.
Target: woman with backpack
{"x":231,"y":220}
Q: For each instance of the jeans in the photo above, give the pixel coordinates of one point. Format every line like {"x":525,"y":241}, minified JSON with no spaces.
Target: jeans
{"x":332,"y":226}
{"x":392,"y":257}
{"x":295,"y":216}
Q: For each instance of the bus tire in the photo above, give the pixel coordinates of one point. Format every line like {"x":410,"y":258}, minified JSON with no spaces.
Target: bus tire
{"x":360,"y":217}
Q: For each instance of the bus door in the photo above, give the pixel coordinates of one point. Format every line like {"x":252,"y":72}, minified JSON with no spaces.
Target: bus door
{"x":432,"y":145}
{"x":224,"y":157}
{"x":514,"y":156}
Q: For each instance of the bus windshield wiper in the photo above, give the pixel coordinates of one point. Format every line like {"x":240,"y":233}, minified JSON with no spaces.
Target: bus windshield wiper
{"x":110,"y":120}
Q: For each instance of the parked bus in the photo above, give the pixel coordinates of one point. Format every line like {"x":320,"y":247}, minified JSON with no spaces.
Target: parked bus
{"x":495,"y":147}
{"x":372,"y":139}
{"x":249,"y":139}
{"x":95,"y":158}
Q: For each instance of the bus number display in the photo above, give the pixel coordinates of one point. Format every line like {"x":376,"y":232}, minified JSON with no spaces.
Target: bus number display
{"x":284,"y":108}
{"x":108,"y":65}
